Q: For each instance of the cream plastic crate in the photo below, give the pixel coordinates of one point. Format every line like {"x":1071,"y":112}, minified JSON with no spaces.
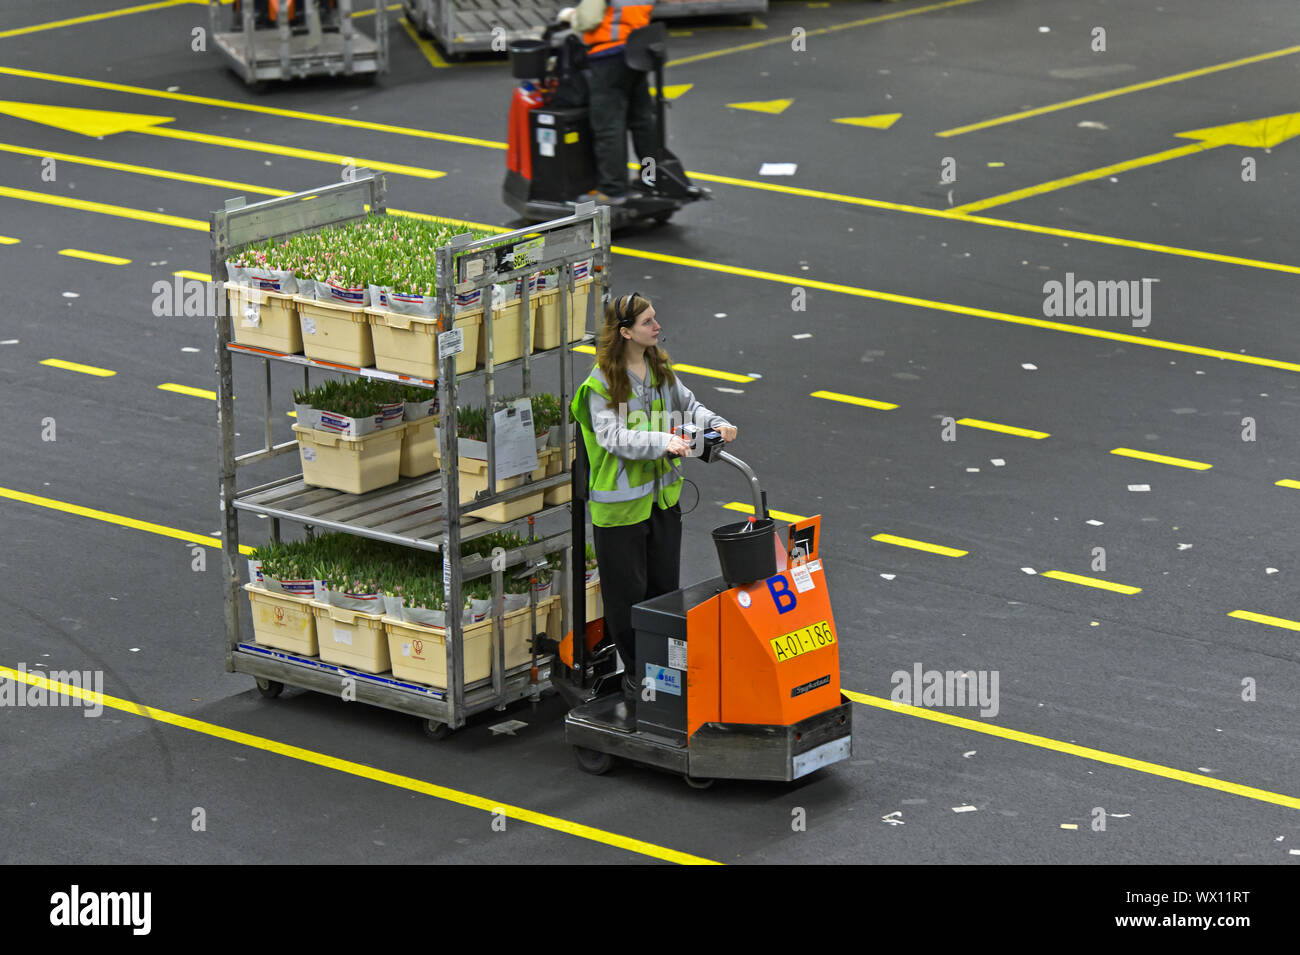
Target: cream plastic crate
{"x":578,"y":310}
{"x":564,"y":493}
{"x":595,"y":610}
{"x":546,"y":319}
{"x":473,"y":478}
{"x":353,"y":466}
{"x":352,"y":639}
{"x":518,"y":623}
{"x":264,"y":319}
{"x":507,"y":334}
{"x":337,"y":333}
{"x":282,"y":621}
{"x":420,"y":452}
{"x":408,"y":344}
{"x":419,"y":653}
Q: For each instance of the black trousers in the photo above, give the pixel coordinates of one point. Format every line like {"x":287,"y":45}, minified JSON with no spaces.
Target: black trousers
{"x":636,"y":562}
{"x":619,"y":101}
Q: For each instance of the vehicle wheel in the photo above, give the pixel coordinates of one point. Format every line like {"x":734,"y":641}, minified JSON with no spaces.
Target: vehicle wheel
{"x":598,"y":764}
{"x":695,"y":783}
{"x":269,"y":688}
{"x":435,"y":730}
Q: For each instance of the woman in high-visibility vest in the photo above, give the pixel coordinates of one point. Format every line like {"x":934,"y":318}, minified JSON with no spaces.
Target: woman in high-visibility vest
{"x":627,"y":409}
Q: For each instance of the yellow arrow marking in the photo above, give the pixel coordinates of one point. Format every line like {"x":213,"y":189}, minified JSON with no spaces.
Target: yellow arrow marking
{"x":1264,"y":618}
{"x":772,"y":106}
{"x":672,"y":92}
{"x":1257,"y":133}
{"x":919,"y":545}
{"x":94,"y":257}
{"x":854,"y":400}
{"x":73,"y":366}
{"x":1003,"y":428}
{"x":1162,"y":459}
{"x":883,"y":121}
{"x":1091,"y":582}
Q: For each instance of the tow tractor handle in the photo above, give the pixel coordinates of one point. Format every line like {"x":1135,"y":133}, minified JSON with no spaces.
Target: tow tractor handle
{"x":712,"y":451}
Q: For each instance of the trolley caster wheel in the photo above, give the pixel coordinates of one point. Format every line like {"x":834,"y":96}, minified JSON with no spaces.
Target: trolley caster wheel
{"x":696,"y":783}
{"x":269,"y":688}
{"x":598,"y":764}
{"x":435,"y":730}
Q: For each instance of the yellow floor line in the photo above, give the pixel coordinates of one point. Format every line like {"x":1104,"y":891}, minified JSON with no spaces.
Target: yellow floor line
{"x":1091,"y":582}
{"x":94,"y":257}
{"x":919,"y":545}
{"x":117,"y":519}
{"x":73,"y":366}
{"x":1264,"y":618}
{"x":363,"y":771}
{"x":1287,"y":482}
{"x":1162,"y":459}
{"x":186,"y":390}
{"x":776,"y":515}
{"x":1072,"y":749}
{"x":9,"y":240}
{"x":1002,"y":428}
{"x":854,"y":400}
{"x":1108,"y":94}
{"x":58,"y":24}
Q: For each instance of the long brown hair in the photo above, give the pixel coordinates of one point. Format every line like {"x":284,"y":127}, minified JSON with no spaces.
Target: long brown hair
{"x":611,"y":353}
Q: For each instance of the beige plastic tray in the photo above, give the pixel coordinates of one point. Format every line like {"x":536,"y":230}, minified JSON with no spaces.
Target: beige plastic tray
{"x":408,"y":344}
{"x":282,"y":621}
{"x":420,"y":452}
{"x":337,"y":333}
{"x":264,"y":319}
{"x":351,"y":639}
{"x":353,"y":466}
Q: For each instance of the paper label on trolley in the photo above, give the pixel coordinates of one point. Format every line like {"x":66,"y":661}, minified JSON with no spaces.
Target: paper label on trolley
{"x":342,"y":636}
{"x":546,"y":142}
{"x":473,"y":269}
{"x":309,"y":454}
{"x":252,"y":314}
{"x":815,"y":565}
{"x":308,"y":325}
{"x":451,"y":343}
{"x":546,"y":119}
{"x":802,"y":579}
{"x":677,"y":654}
{"x":516,"y":444}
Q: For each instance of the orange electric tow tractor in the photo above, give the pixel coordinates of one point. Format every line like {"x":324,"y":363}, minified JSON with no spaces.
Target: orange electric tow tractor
{"x":739,"y":674}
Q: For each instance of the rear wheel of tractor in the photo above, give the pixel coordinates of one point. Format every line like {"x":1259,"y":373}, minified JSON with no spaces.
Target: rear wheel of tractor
{"x":269,"y":688}
{"x":598,"y":764}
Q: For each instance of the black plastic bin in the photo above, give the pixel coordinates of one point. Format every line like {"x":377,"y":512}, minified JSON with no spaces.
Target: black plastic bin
{"x":528,"y":59}
{"x":747,"y":552}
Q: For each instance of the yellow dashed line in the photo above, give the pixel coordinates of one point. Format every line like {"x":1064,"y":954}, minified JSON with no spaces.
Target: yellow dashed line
{"x":1003,"y":428}
{"x":190,"y":274}
{"x":73,"y":366}
{"x":1162,"y":459}
{"x":776,"y":515}
{"x":920,"y":545}
{"x":854,"y":400}
{"x":57,"y":24}
{"x":1091,"y":582}
{"x":8,"y":240}
{"x":1264,"y":618}
{"x":94,"y":257}
{"x":186,"y":390}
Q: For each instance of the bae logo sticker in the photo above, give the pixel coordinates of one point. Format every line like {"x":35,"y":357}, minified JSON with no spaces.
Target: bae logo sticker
{"x":665,"y":679}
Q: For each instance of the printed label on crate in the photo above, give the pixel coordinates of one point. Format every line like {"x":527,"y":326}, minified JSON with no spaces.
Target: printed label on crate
{"x":308,"y":324}
{"x":347,"y":294}
{"x":350,"y":427}
{"x":343,"y":636}
{"x":677,"y":653}
{"x":299,"y":588}
{"x":309,"y":455}
{"x":252,"y":314}
{"x":390,"y":414}
{"x":664,"y":679}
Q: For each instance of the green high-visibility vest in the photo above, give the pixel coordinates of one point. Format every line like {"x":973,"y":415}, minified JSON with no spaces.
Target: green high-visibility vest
{"x":621,"y":491}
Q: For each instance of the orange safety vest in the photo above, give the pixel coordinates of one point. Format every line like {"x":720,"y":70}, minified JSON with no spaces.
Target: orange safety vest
{"x":621,"y":18}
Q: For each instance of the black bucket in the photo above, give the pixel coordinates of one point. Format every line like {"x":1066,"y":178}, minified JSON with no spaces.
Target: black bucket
{"x":528,"y":59}
{"x":747,"y":552}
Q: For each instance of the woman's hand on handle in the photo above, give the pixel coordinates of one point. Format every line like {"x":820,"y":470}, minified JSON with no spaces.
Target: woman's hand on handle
{"x":679,"y":446}
{"x":728,"y":433}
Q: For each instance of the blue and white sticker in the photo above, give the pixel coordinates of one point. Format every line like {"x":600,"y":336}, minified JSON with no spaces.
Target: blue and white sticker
{"x":664,"y":679}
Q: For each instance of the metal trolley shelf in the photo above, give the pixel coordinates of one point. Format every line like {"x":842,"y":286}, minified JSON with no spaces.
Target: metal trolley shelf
{"x":414,"y":512}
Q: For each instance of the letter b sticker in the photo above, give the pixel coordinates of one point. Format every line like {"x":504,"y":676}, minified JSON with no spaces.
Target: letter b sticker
{"x":782,"y":596}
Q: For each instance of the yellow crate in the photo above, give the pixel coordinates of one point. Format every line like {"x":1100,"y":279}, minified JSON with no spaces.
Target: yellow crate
{"x":564,"y":493}
{"x":419,"y":653}
{"x":283,"y":621}
{"x":354,"y":466}
{"x":578,"y":310}
{"x":264,"y":319}
{"x":337,"y":333}
{"x":595,"y":610}
{"x":420,"y":452}
{"x":507,"y":334}
{"x":408,"y":344}
{"x":517,"y":627}
{"x":350,"y":638}
{"x":546,"y":319}
{"x":473,"y":478}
